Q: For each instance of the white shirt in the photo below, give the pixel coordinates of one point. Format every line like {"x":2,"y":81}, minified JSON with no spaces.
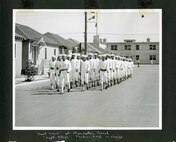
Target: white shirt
{"x":97,"y":64}
{"x":104,"y":64}
{"x":85,"y":66}
{"x":58,"y":65}
{"x":117,"y":64}
{"x":66,"y":65}
{"x":92,"y":62}
{"x":73,"y":64}
{"x":78,"y":62}
{"x":113,"y":64}
{"x":52,"y":65}
{"x":109,"y":64}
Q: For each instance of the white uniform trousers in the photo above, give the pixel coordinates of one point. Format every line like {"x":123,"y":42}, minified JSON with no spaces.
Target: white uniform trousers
{"x":103,"y":77}
{"x":57,"y":78}
{"x":64,"y":79}
{"x":73,"y":75}
{"x":97,"y":74}
{"x":114,"y":73}
{"x":52,"y":77}
{"x":84,"y":77}
{"x":92,"y":74}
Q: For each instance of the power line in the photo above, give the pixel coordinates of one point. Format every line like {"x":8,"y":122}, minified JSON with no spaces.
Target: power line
{"x":122,"y":34}
{"x":115,"y":34}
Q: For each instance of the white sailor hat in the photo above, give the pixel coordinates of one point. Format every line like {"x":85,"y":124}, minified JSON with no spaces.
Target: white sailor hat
{"x":69,"y":55}
{"x":84,"y":56}
{"x":123,"y":58}
{"x":54,"y":56}
{"x":59,"y":55}
{"x":90,"y":54}
{"x":63,"y":55}
{"x":104,"y":55}
{"x":78,"y":54}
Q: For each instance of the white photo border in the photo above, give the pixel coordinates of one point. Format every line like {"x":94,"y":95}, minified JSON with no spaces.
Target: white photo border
{"x":90,"y":128}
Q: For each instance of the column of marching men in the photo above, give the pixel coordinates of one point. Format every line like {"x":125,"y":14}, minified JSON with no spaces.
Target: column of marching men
{"x":106,"y":70}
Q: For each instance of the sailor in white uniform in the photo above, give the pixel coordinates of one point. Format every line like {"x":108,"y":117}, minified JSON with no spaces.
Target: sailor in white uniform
{"x":52,"y":72}
{"x":65,"y":73}
{"x":85,"y":68}
{"x":73,"y":62}
{"x":103,"y":72}
{"x":58,"y":67}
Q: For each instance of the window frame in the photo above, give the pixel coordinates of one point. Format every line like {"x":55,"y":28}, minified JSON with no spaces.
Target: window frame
{"x":45,"y":53}
{"x":137,"y":57}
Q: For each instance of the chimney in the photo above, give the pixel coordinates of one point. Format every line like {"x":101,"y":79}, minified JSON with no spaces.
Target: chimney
{"x":148,"y":39}
{"x":101,"y":41}
{"x":104,"y":41}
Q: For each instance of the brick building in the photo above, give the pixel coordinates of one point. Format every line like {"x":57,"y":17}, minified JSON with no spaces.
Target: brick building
{"x":146,"y":52}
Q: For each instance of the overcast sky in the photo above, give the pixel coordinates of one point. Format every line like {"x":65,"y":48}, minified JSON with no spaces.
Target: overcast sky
{"x":113,"y":25}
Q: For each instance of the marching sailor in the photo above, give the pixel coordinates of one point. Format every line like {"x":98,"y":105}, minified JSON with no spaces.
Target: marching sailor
{"x":78,"y":69}
{"x":85,"y":68}
{"x":73,"y":71}
{"x":58,"y":67}
{"x":65,"y":73}
{"x":96,"y":69}
{"x":103,"y":72}
{"x":52,"y":71}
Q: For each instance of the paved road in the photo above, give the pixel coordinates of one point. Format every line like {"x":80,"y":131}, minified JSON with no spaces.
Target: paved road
{"x":133,"y":103}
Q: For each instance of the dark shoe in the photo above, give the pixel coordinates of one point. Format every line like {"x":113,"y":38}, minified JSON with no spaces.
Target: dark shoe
{"x":71,"y":85}
{"x":68,"y":90}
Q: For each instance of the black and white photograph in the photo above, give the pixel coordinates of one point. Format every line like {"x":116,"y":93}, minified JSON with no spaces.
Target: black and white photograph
{"x":87,"y":69}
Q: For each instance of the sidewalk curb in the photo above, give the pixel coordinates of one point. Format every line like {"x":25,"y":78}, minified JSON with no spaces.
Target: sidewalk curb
{"x":35,"y":81}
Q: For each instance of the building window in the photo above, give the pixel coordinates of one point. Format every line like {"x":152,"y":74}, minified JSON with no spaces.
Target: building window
{"x":137,"y":57}
{"x":54,"y":51}
{"x":152,"y":57}
{"x":152,"y":47}
{"x":45,"y":53}
{"x":137,"y":47}
{"x":15,"y":50}
{"x":60,"y":49}
{"x":114,"y":47}
{"x":127,"y":47}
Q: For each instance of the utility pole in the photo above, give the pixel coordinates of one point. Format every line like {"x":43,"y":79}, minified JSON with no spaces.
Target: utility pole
{"x":85,"y":33}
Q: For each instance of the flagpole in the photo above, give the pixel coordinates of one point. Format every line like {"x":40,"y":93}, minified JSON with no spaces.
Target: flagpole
{"x":96,"y":23}
{"x":85,"y":33}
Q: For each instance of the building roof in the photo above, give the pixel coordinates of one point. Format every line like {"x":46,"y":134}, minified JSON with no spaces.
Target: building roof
{"x":27,"y":32}
{"x":60,"y":40}
{"x":91,"y":48}
{"x":19,"y":36}
{"x":151,"y":42}
{"x":50,"y":41}
{"x":106,"y":50}
{"x":73,"y":42}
